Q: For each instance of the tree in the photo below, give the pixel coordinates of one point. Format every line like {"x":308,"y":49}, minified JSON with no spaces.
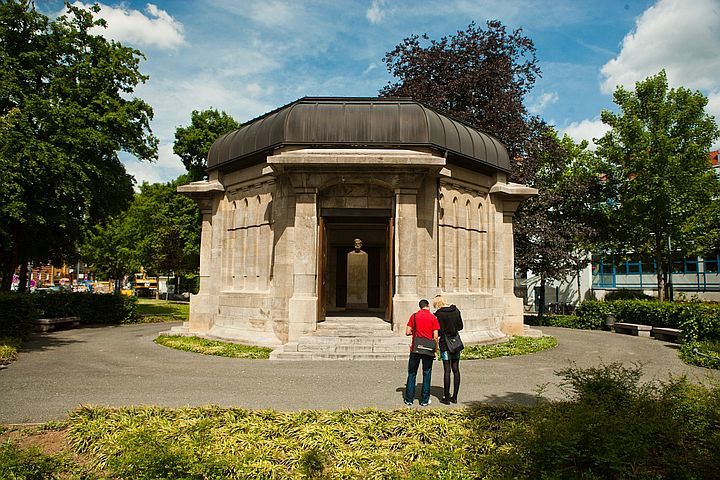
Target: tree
{"x":65,"y":112}
{"x":160,"y":231}
{"x":555,"y":230}
{"x":656,"y":159}
{"x":192,"y":143}
{"x":477,"y":76}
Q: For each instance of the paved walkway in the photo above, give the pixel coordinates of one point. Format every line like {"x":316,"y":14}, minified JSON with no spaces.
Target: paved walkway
{"x":121,"y":365}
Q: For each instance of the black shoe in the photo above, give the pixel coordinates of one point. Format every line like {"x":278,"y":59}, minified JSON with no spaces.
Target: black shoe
{"x":445,"y":401}
{"x":453,"y":399}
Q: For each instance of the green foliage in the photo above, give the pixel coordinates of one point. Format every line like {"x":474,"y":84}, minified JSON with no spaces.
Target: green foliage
{"x":8,"y":349}
{"x":17,"y":315}
{"x":703,"y":353}
{"x":552,"y":320}
{"x":554,"y":229}
{"x":92,"y":308}
{"x":696,"y":320}
{"x":192,"y":143}
{"x":514,"y":346}
{"x":66,"y":110}
{"x":610,"y":426}
{"x":613,"y":426}
{"x":626,"y":294}
{"x":160,"y":232}
{"x":657,"y":169}
{"x":479,"y":76}
{"x":28,"y":464}
{"x":213,"y":347}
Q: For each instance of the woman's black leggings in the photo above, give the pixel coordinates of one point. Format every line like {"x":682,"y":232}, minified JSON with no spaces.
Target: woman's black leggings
{"x":454,"y":366}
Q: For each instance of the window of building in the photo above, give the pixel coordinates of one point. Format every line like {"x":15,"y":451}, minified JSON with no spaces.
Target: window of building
{"x":712,"y":264}
{"x":633,"y":268}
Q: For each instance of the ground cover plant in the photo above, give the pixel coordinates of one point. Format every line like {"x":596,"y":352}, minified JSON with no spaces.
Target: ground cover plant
{"x":514,"y":346}
{"x":8,"y":349}
{"x":153,"y":311}
{"x":610,"y":426}
{"x":213,"y":347}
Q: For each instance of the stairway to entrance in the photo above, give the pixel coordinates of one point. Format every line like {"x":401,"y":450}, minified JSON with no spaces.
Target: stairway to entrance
{"x":347,"y":338}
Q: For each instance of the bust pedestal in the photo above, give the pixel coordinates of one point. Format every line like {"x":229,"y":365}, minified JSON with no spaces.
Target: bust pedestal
{"x":357,"y":280}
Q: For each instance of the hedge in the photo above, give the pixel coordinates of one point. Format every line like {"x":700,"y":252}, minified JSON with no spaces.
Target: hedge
{"x":698,"y":321}
{"x":18,"y":312}
{"x":17,"y":315}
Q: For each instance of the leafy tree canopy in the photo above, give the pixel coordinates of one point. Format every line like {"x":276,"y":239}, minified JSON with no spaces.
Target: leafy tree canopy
{"x":160,"y":231}
{"x":65,"y":111}
{"x":555,"y":230}
{"x":192,"y":143}
{"x":658,"y":168}
{"x":479,"y":76}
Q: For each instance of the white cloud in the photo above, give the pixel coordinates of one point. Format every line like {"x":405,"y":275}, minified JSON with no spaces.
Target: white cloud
{"x":547,"y":98}
{"x":157,"y":28}
{"x":680,"y":36}
{"x":713,"y":108}
{"x":167,"y":167}
{"x":587,"y":130}
{"x":375,"y":13}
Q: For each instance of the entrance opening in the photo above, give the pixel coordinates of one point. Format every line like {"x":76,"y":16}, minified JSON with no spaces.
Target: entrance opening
{"x":339,"y":229}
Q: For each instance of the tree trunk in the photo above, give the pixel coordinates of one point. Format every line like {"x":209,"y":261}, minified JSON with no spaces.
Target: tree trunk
{"x":660,"y":272}
{"x":579,"y":286}
{"x":541,"y":309}
{"x":8,"y":269}
{"x":23,"y":276}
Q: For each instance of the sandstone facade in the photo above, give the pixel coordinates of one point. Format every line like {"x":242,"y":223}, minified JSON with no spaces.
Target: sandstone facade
{"x":277,"y":228}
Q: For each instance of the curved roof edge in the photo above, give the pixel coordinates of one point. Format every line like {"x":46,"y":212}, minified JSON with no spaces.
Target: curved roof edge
{"x":356,"y":122}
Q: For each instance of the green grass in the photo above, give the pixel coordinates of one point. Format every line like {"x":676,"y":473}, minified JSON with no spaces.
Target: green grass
{"x":154,"y":311}
{"x":708,"y":355}
{"x":213,"y":347}
{"x":8,"y":349}
{"x":514,"y":346}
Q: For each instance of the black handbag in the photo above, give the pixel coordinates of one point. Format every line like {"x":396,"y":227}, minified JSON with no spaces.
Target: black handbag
{"x":454,"y":343}
{"x":421,"y":345}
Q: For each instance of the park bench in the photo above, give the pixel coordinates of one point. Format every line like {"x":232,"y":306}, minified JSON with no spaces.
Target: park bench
{"x":667,"y":334}
{"x":632,"y":329}
{"x":50,"y":324}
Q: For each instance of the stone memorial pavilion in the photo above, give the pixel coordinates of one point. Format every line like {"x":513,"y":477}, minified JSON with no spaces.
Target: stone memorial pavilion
{"x":347,"y":211}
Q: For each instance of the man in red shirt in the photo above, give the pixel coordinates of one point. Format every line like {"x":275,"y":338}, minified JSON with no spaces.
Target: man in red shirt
{"x":421,"y":324}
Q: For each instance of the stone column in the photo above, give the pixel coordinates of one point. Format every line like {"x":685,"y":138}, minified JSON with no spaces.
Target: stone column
{"x":405,"y":300}
{"x":303,"y":303}
{"x":507,"y":198}
{"x":203,"y":306}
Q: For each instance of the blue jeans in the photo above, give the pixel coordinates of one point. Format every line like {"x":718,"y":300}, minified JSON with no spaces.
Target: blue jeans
{"x":413,"y":364}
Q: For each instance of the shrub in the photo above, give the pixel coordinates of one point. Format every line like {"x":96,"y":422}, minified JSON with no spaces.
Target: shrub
{"x":613,"y":426}
{"x":697,"y":320}
{"x":626,"y":294}
{"x":92,"y":308}
{"x":17,"y":315}
{"x":592,"y":314}
{"x":552,"y":320}
{"x":8,"y":349}
{"x":27,"y":464}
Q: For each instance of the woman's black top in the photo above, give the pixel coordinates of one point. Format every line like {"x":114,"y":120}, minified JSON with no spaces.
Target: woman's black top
{"x":450,"y":323}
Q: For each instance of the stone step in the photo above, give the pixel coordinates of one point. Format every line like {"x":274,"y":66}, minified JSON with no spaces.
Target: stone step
{"x":279,"y":355}
{"x":384,"y":340}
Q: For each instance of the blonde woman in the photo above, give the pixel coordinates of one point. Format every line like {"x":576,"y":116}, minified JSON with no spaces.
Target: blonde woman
{"x":450,"y":324}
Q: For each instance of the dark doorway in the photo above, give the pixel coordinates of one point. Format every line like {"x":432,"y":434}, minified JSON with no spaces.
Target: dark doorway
{"x":341,"y":226}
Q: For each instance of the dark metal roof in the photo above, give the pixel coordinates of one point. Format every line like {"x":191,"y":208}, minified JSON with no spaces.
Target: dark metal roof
{"x":356,"y":122}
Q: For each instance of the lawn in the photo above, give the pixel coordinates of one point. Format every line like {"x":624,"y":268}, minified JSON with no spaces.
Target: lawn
{"x":151,"y":311}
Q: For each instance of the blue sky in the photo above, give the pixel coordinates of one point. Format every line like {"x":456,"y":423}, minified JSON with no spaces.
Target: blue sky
{"x":250,"y":56}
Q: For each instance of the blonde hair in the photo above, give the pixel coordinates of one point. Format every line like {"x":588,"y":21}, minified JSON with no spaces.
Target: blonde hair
{"x":439,"y":302}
